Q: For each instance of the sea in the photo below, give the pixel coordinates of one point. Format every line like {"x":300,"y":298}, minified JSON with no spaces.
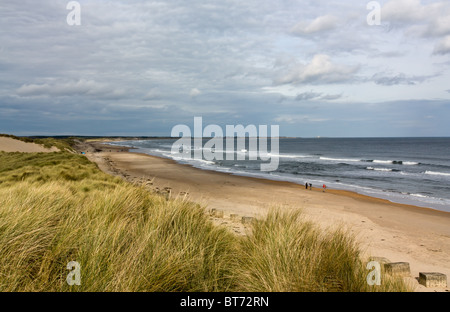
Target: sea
{"x":403,"y":170}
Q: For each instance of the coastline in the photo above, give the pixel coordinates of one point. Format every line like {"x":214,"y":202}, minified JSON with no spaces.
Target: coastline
{"x":399,"y":232}
{"x":416,"y":183}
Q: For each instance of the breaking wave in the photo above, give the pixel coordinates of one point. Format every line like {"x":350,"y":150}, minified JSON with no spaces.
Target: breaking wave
{"x":438,"y":173}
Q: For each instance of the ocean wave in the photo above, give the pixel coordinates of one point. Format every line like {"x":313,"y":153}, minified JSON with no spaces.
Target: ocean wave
{"x":437,"y":173}
{"x":376,"y":161}
{"x":383,"y":169}
{"x":393,"y":162}
{"x":410,"y":173}
{"x":288,"y":155}
{"x":383,"y":161}
{"x":410,"y":163}
{"x":340,"y":159}
{"x":203,"y":161}
{"x":419,"y":195}
{"x":189,"y":160}
{"x":379,"y":169}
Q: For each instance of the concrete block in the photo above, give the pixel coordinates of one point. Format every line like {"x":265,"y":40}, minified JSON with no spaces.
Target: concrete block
{"x":234,"y":216}
{"x":246,"y":220}
{"x":398,"y":268}
{"x":216,"y":213}
{"x":433,"y":279}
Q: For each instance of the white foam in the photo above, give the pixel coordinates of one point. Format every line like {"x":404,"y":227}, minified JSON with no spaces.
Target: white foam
{"x":287,"y":155}
{"x":379,"y":169}
{"x":340,"y":159}
{"x":383,"y":161}
{"x":419,"y":195}
{"x":437,"y":173}
{"x":410,"y":163}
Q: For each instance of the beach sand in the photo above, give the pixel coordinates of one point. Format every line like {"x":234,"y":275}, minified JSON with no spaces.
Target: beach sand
{"x":401,"y":233}
{"x":12,"y":145}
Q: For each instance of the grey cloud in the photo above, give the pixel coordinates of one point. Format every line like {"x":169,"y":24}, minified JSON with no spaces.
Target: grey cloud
{"x":399,"y":79}
{"x":305,"y":96}
{"x":443,"y":46}
{"x":403,"y":11}
{"x":295,"y":119}
{"x":153,"y":95}
{"x":428,"y":20}
{"x":414,"y":11}
{"x":331,"y":97}
{"x":71,"y":88}
{"x":439,"y":26}
{"x":389,"y":54}
{"x":132,"y":66}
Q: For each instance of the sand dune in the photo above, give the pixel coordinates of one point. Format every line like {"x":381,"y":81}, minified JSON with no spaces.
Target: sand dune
{"x":13,"y":145}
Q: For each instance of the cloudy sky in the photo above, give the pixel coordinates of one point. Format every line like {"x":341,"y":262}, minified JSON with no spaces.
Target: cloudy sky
{"x":315,"y":68}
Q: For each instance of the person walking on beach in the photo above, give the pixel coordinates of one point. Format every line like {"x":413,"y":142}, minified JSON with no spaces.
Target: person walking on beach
{"x":324,"y":187}
{"x":306,"y":185}
{"x":310,"y":186}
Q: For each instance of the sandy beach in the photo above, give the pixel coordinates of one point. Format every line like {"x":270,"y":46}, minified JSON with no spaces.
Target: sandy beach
{"x":400,"y":233}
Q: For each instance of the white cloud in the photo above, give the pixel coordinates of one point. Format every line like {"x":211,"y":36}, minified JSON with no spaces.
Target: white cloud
{"x":440,"y":26}
{"x":321,"y":70}
{"x":404,"y":11}
{"x":320,"y":24}
{"x":424,"y":20}
{"x":195,"y":92}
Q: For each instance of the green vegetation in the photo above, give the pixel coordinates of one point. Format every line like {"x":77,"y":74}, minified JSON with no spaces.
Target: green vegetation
{"x":61,"y":144}
{"x":287,"y":253}
{"x":59,"y":207}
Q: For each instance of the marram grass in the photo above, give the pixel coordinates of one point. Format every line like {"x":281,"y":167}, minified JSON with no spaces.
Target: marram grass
{"x":285,"y":253}
{"x":59,"y":207}
{"x":123,"y":238}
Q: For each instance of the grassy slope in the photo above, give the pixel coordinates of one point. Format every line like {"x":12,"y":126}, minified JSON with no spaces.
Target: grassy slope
{"x":59,"y":207}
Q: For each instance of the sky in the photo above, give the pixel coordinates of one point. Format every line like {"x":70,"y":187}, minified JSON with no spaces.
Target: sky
{"x":314,"y":68}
